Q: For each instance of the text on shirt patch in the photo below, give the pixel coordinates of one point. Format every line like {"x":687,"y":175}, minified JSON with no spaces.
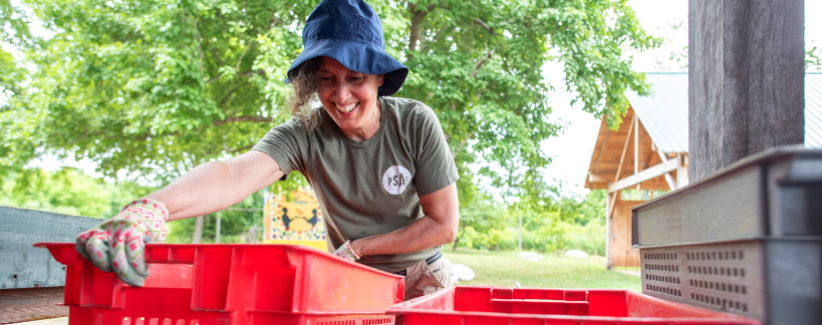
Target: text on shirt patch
{"x":395,"y":179}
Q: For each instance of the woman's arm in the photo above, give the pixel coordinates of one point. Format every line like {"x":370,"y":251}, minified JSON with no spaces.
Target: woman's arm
{"x":438,"y":227}
{"x":217,"y":185}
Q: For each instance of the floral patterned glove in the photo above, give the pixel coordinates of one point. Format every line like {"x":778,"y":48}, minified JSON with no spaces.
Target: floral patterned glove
{"x":346,"y":252}
{"x":117,"y":244}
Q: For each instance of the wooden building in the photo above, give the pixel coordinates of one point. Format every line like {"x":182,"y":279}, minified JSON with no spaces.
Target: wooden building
{"x":649,"y":153}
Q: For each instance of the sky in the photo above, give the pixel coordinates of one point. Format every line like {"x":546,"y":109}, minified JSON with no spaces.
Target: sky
{"x":572,"y":149}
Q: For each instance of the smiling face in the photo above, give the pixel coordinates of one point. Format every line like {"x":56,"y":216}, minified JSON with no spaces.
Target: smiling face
{"x":350,"y":98}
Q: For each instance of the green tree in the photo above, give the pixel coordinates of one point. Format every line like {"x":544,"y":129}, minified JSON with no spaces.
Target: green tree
{"x":550,"y":221}
{"x":14,"y":31}
{"x":482,"y":223}
{"x":813,"y":59}
{"x":156,"y":87}
{"x":67,"y":191}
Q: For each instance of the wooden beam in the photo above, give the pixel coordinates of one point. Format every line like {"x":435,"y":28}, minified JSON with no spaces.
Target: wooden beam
{"x":602,"y":148}
{"x":594,"y":178}
{"x":644,"y":175}
{"x":613,"y":203}
{"x":636,"y":147}
{"x":671,"y":182}
{"x":624,"y":149}
{"x":668,"y":178}
{"x":598,"y":186}
{"x":681,"y":170}
{"x":609,"y":166}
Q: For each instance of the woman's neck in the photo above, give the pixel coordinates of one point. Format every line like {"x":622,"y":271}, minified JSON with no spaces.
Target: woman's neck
{"x":369,"y":128}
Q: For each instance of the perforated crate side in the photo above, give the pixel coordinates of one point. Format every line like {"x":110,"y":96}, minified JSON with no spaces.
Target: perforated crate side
{"x":724,"y":277}
{"x":774,"y":280}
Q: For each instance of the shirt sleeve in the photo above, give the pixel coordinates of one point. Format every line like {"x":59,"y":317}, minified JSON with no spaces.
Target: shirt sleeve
{"x":435,"y":168}
{"x":286,"y":144}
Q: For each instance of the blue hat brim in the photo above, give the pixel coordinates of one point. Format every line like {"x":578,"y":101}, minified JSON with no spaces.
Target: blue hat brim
{"x":360,"y":57}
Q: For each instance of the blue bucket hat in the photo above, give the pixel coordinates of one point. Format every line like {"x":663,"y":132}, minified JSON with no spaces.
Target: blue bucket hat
{"x":350,"y":32}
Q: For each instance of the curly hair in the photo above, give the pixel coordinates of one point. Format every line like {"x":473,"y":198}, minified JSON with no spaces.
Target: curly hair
{"x":303,"y":103}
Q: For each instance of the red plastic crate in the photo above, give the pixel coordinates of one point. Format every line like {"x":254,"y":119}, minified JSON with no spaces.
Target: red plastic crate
{"x":230,"y":285}
{"x":505,"y":306}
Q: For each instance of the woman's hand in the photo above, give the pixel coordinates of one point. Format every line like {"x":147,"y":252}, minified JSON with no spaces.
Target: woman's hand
{"x":117,"y":244}
{"x":438,"y":227}
{"x":346,"y":252}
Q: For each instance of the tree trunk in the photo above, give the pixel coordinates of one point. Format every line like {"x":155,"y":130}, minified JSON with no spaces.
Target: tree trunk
{"x":198,"y":230}
{"x":746,"y":81}
{"x":416,"y":21}
{"x":217,"y":236}
{"x":454,"y":247}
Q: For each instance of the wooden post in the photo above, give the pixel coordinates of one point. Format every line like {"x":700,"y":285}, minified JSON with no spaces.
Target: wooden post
{"x":624,"y":150}
{"x":746,"y":80}
{"x":609,"y":205}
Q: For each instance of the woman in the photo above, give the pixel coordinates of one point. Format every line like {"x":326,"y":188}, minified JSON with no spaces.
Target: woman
{"x":380,"y":166}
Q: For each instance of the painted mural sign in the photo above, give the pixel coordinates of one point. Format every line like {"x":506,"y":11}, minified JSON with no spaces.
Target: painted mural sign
{"x":296,"y":221}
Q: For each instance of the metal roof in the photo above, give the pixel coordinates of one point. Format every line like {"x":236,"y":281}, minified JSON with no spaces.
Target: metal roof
{"x":664,"y":113}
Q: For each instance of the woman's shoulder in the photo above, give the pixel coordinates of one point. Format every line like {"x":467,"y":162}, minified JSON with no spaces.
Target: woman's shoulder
{"x":406,"y":108}
{"x":291,"y":126}
{"x":402,"y":104}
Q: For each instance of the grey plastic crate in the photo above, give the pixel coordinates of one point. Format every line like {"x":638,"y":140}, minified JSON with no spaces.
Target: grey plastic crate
{"x":772,"y":194}
{"x":777,"y":281}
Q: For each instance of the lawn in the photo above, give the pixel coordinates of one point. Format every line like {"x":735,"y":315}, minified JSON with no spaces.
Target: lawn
{"x":505,"y":268}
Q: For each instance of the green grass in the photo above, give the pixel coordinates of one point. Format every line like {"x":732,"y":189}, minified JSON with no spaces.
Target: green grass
{"x":505,"y":268}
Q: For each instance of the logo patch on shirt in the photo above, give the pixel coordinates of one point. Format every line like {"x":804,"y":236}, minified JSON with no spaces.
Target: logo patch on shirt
{"x":396,"y":179}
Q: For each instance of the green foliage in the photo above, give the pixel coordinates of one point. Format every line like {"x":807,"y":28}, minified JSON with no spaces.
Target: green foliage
{"x":565,"y":223}
{"x":15,"y":23}
{"x":67,"y":191}
{"x":591,"y":238}
{"x":14,"y":31}
{"x":157,"y":87}
{"x":561,"y":224}
{"x":813,"y":59}
{"x":483,"y":224}
{"x":13,"y":74}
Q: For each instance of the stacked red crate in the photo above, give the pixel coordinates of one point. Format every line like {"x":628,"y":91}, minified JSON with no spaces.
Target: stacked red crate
{"x":230,"y":285}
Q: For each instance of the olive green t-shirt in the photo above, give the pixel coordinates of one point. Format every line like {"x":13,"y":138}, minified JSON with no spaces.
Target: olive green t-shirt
{"x":369,"y":187}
